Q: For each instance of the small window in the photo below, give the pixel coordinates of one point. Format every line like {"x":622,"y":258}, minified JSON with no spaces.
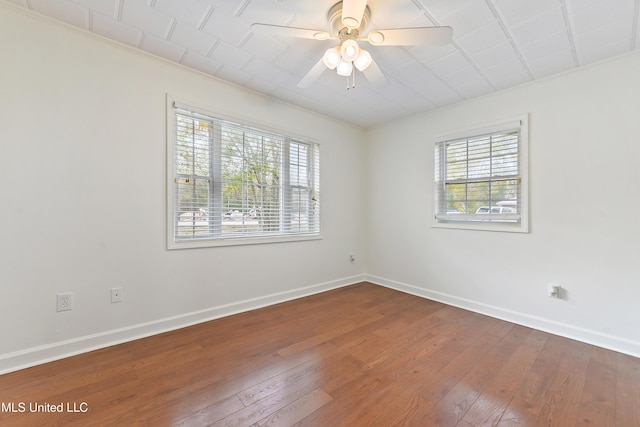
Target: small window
{"x":232,"y":183}
{"x":481,"y":178}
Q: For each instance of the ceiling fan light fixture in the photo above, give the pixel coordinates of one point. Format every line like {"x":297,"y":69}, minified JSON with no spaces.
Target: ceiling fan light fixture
{"x":331,"y":57}
{"x":363,"y":60}
{"x":376,"y":37}
{"x":349,"y":50}
{"x":345,"y":68}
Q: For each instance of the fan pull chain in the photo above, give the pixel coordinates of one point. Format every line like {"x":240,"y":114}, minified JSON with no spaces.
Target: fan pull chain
{"x":353,"y":80}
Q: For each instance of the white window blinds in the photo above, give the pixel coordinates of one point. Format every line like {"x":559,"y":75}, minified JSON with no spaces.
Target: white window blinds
{"x":479,"y":177}
{"x":233,"y":181}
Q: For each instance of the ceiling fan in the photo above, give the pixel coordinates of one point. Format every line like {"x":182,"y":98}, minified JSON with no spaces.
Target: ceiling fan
{"x":348,"y":21}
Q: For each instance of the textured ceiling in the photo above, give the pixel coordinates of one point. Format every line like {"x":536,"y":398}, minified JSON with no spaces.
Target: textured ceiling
{"x":496,"y":44}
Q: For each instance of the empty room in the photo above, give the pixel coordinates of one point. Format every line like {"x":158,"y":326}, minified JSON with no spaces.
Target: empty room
{"x":320,"y":213}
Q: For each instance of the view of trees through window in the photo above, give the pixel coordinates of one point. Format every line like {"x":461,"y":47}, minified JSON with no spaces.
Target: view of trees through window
{"x":478,"y":176}
{"x":232,"y":180}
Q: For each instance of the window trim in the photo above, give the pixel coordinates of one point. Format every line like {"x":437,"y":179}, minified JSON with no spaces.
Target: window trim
{"x":172,"y":243}
{"x":521,"y":121}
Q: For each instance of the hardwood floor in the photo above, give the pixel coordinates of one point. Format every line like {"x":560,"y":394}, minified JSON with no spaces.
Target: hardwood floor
{"x":357,"y":356}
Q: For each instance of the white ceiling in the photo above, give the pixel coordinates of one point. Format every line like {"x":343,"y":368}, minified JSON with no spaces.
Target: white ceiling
{"x":496,"y":44}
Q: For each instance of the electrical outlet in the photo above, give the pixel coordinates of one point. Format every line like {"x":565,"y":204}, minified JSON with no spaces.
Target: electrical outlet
{"x":116,"y":295}
{"x":65,"y":302}
{"x":553,"y":290}
{"x":352,"y":258}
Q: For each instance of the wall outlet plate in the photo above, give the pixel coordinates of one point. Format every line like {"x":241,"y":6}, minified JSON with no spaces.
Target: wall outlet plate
{"x":64,"y":302}
{"x":554,"y":290}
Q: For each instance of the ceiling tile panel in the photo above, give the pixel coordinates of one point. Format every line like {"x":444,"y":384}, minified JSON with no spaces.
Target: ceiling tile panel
{"x":64,"y":11}
{"x":104,"y":7}
{"x":233,"y":75}
{"x":556,"y":62}
{"x":287,"y":80}
{"x":427,"y":54}
{"x":605,"y":45}
{"x":138,"y":14}
{"x":468,"y":82}
{"x":464,"y":16}
{"x":389,"y":14}
{"x":494,"y":55}
{"x":230,"y":55}
{"x":412,"y":73}
{"x":449,"y":64}
{"x":191,"y":12}
{"x":311,"y":10}
{"x":440,"y":94}
{"x":191,"y":38}
{"x":115,"y":30}
{"x":614,"y":36}
{"x":259,"y":85}
{"x":201,"y":63}
{"x":265,"y":11}
{"x":587,"y":15}
{"x":267,"y":48}
{"x":397,"y":56}
{"x":507,"y":74}
{"x":540,"y":26}
{"x":441,"y":8}
{"x":558,"y":42}
{"x":259,"y":67}
{"x":597,"y":54}
{"x":363,"y":92}
{"x":515,"y":12}
{"x":296,"y":61}
{"x":162,"y":48}
{"x":397,"y":91}
{"x":432,"y":88}
{"x":226,"y":28}
{"x":476,"y":41}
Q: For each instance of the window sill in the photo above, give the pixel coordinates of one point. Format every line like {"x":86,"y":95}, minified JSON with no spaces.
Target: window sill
{"x":482,"y":226}
{"x":239,"y":241}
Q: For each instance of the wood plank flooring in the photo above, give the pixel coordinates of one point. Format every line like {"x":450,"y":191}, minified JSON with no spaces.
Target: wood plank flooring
{"x":362,"y":355}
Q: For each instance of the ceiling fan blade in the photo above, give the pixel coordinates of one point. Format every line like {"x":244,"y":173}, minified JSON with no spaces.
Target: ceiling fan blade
{"x":420,"y":36}
{"x":374,"y":74}
{"x":278,"y":30}
{"x":313,"y":74}
{"x":352,"y":11}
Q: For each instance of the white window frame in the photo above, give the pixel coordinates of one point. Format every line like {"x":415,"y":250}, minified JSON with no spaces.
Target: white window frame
{"x":284,"y":235}
{"x":496,"y":222}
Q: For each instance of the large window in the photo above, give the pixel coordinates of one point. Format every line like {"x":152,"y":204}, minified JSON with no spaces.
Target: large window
{"x":480,"y":178}
{"x":232,"y":183}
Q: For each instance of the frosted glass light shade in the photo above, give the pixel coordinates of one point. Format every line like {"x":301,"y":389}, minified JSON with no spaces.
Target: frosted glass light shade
{"x":363,"y":60}
{"x":331,"y":57}
{"x":345,"y":68}
{"x":349,"y":50}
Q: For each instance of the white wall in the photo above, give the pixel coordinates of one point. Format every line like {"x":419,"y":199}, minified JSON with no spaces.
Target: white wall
{"x":584,"y":203}
{"x":82,"y":181}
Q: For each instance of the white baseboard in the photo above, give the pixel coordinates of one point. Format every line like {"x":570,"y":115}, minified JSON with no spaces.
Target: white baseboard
{"x":46,"y":353}
{"x":596,"y":338}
